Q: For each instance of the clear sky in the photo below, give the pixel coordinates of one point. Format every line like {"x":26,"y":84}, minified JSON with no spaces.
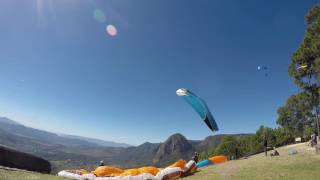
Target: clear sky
{"x":61,"y":71}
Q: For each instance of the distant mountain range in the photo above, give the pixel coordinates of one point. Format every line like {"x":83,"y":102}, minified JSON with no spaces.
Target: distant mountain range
{"x":40,"y":135}
{"x":68,"y":151}
{"x":96,"y":141}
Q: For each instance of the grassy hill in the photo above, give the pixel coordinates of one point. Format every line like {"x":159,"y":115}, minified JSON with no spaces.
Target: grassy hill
{"x":304,"y":165}
{"x":15,"y":174}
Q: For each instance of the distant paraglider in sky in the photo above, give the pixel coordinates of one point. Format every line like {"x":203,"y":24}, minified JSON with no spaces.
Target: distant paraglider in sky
{"x":264,"y":69}
{"x":200,"y":107}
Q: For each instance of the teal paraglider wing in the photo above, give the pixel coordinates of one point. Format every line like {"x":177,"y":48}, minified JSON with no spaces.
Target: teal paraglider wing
{"x":200,"y":107}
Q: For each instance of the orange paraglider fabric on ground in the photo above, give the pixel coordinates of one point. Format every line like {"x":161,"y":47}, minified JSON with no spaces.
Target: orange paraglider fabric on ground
{"x":180,"y":163}
{"x":113,"y":171}
{"x":107,"y":171}
{"x":179,"y":169}
{"x":218,"y":159}
{"x":83,"y":171}
{"x":130,"y":172}
{"x":151,"y":170}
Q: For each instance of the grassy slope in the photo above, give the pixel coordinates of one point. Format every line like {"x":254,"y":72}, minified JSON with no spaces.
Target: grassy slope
{"x":305,"y":165}
{"x":6,"y":174}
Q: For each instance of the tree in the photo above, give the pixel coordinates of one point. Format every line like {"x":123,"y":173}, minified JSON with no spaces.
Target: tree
{"x":308,"y":131}
{"x":302,"y":110}
{"x":305,"y":62}
{"x":296,"y":114}
{"x":249,"y":145}
{"x":266,"y":132}
{"x":228,"y":147}
{"x":283,"y":136}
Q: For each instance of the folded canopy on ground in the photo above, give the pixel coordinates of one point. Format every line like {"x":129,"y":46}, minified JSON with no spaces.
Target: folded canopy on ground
{"x":178,"y":169}
{"x":212,"y":160}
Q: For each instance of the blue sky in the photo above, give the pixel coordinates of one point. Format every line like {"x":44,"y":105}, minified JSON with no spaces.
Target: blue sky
{"x":60,"y":71}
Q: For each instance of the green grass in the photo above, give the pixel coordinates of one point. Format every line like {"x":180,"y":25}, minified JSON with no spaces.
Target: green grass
{"x":6,"y":174}
{"x":303,"y":166}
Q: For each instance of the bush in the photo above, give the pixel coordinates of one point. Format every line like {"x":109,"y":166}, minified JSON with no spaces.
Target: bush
{"x":268,"y":133}
{"x":249,"y":145}
{"x":228,"y":147}
{"x":283,"y":136}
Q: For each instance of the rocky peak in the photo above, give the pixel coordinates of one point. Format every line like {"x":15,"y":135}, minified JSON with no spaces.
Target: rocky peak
{"x":176,"y":145}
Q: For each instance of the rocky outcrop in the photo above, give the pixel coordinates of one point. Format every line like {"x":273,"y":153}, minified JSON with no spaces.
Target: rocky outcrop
{"x":174,"y":148}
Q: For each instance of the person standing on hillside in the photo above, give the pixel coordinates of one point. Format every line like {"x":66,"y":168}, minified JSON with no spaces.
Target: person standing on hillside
{"x":265,"y":144}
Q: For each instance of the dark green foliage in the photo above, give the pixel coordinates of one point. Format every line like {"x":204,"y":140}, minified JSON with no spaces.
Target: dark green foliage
{"x":238,"y":147}
{"x":234,"y":146}
{"x":208,"y":147}
{"x":296,"y":114}
{"x":302,"y":111}
{"x":249,"y":145}
{"x":307,"y":132}
{"x":228,"y":147}
{"x":308,"y":54}
{"x":266,"y":133}
{"x":283,"y":136}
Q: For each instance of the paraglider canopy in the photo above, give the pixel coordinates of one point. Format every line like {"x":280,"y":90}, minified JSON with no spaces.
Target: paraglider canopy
{"x":199,"y":106}
{"x":182,"y":92}
{"x":263,"y":69}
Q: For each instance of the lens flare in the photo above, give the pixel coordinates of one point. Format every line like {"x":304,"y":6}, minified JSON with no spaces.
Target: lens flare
{"x":99,"y":15}
{"x":111,"y":30}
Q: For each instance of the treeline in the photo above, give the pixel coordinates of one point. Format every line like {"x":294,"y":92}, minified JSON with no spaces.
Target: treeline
{"x":237,"y":147}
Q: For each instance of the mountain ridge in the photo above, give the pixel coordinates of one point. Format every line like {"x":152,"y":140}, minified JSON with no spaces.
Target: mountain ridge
{"x":14,"y":126}
{"x":9,"y":121}
{"x":97,"y":141}
{"x":75,"y":153}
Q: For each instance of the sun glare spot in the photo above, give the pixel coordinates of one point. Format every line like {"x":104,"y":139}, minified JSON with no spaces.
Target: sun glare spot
{"x":111,"y":30}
